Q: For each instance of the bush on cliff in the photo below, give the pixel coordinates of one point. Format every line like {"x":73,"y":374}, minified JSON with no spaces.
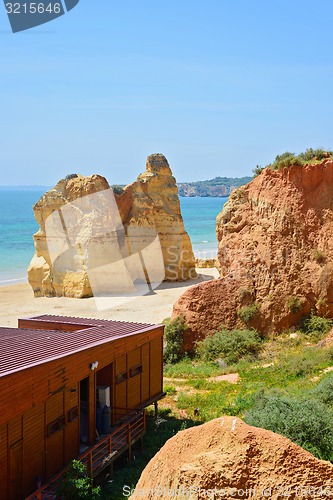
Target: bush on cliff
{"x":230,"y":345}
{"x":246,"y":313}
{"x":174,"y":339}
{"x":288,"y":159}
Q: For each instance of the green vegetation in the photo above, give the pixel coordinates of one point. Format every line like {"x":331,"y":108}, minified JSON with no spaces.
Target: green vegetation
{"x":117,"y":188}
{"x":70,"y":176}
{"x":307,"y":422}
{"x":324,"y":391}
{"x":257,"y":170}
{"x":285,"y":384}
{"x":173,"y":335}
{"x":77,"y":484}
{"x":315,"y":326}
{"x":231,"y":346}
{"x":287,"y":159}
{"x":319,"y":256}
{"x":247,"y":313}
{"x":294,"y":304}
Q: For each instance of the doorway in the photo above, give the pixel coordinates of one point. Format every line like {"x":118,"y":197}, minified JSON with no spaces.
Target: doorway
{"x":84,"y":418}
{"x":16,"y":470}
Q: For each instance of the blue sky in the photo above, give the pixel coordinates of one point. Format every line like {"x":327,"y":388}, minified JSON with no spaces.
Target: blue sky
{"x":217,"y":86}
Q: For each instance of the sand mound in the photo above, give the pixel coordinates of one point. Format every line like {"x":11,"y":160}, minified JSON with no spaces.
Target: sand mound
{"x":238,"y":460}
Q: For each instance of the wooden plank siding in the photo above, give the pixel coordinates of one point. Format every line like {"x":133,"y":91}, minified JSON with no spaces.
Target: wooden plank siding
{"x":27,"y":388}
{"x":35,"y":397}
{"x":4,"y":461}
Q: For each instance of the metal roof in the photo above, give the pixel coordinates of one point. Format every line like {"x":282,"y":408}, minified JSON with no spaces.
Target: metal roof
{"x":25,"y":348}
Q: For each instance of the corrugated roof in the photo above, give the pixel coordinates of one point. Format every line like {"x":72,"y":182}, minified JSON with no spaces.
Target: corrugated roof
{"x":25,"y":348}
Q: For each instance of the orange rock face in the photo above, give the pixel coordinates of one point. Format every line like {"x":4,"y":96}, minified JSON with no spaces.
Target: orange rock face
{"x":275,"y":250}
{"x":230,"y":459}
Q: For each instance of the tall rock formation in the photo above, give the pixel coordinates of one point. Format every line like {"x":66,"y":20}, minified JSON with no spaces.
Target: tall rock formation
{"x":144,"y":209}
{"x":226,"y":458}
{"x":275,"y":251}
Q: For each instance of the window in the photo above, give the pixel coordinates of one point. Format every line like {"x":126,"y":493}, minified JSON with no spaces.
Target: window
{"x":56,"y":425}
{"x":136,"y":370}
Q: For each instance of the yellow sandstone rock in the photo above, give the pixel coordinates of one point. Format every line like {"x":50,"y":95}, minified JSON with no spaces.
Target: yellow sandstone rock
{"x":76,"y":231}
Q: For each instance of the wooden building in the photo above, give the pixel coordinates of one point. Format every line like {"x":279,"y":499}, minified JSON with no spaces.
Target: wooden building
{"x":53,"y":370}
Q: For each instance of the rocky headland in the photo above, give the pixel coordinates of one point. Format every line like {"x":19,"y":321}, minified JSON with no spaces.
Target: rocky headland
{"x":275,"y":253}
{"x":218,"y":187}
{"x":147,"y":207}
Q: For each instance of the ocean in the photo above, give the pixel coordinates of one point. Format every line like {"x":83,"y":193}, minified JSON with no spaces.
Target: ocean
{"x":17,"y":225}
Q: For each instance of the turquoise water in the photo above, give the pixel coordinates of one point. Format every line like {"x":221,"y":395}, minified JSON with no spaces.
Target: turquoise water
{"x":17,"y":225}
{"x":199,"y":216}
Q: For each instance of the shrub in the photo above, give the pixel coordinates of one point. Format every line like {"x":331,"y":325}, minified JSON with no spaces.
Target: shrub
{"x":306,"y":422}
{"x":314,"y":154}
{"x":288,"y":159}
{"x":305,"y":362}
{"x":174,"y":339}
{"x":247,"y":313}
{"x":319,"y":256}
{"x":231,"y":345}
{"x":324,"y":391}
{"x":316,"y":326}
{"x":117,"y":188}
{"x":70,"y":176}
{"x":257,"y":170}
{"x":294,"y":303}
{"x":170,"y":390}
{"x":77,"y":484}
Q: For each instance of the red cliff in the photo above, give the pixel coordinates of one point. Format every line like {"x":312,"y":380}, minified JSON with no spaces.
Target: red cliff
{"x":275,"y":251}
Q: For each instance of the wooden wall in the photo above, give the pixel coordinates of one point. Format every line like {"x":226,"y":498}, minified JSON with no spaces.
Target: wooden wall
{"x":32,"y":399}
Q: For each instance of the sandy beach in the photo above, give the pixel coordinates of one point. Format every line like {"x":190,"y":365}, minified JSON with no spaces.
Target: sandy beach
{"x":17,"y":301}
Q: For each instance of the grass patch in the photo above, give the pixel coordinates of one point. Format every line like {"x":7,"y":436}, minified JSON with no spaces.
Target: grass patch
{"x":193,"y":369}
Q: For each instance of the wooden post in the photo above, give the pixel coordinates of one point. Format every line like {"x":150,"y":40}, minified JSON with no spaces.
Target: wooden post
{"x":92,"y":408}
{"x":90,"y":466}
{"x":129,"y":440}
{"x":156,"y":408}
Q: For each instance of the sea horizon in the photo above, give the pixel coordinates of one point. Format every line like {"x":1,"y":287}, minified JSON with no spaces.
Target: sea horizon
{"x":18,"y":225}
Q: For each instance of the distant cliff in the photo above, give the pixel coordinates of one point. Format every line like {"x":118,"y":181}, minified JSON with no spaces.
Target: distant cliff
{"x":220,"y":186}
